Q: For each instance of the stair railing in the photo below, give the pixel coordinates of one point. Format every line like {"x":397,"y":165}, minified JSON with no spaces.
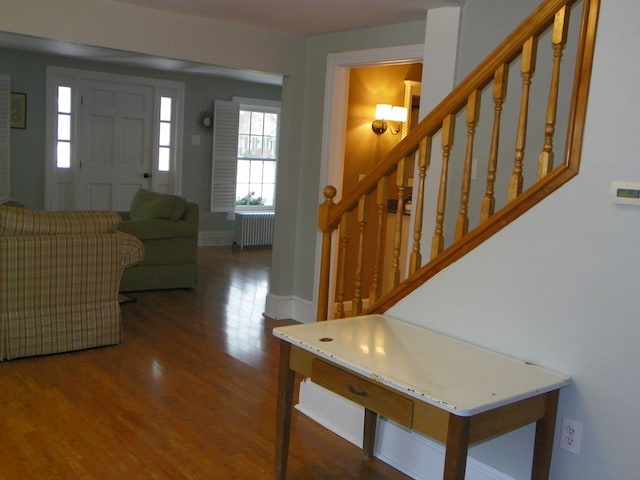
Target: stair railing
{"x":365,"y":209}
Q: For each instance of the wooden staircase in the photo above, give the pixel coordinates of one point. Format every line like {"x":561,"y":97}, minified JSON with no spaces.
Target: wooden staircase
{"x":534,"y":88}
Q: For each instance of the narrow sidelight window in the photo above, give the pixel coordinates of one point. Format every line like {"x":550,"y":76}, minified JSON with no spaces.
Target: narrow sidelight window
{"x":63,"y":139}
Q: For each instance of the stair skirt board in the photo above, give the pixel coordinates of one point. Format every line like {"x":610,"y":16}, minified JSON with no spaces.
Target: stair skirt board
{"x":411,"y":453}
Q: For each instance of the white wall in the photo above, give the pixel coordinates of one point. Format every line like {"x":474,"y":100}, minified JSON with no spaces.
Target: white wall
{"x":559,"y":286}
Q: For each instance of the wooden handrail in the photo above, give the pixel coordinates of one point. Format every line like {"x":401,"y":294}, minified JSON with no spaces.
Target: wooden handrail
{"x":505,"y":53}
{"x":523,"y":44}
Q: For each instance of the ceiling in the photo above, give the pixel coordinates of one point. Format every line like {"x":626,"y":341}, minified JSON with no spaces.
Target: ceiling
{"x":302,"y":17}
{"x":298,"y":17}
{"x":130,"y":59}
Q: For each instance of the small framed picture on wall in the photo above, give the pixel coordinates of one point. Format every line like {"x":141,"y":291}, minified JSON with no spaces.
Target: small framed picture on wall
{"x":18,"y":110}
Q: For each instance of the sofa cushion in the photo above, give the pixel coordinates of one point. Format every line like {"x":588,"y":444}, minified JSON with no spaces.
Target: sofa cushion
{"x":22,"y":221}
{"x":148,"y":205}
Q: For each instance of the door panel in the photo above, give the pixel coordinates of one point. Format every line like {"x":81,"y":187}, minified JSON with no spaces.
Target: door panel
{"x":100,"y":146}
{"x":100,"y":196}
{"x":116,"y":144}
{"x":133,"y":135}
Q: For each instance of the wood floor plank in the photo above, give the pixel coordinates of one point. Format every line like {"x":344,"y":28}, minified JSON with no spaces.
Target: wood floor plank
{"x":189,"y":394}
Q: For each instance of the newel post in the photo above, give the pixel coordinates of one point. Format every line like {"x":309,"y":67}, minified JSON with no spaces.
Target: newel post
{"x":325,"y":261}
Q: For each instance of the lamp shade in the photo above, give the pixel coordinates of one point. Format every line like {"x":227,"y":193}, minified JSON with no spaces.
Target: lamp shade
{"x":383,"y":111}
{"x":398,"y":114}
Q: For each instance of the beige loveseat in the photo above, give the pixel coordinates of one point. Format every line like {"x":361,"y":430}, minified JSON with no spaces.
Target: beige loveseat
{"x":59,"y":279}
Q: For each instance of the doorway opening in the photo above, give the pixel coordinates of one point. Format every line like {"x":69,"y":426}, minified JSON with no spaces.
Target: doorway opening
{"x":364,"y":147}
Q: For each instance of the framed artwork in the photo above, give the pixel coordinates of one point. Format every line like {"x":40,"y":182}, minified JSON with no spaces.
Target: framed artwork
{"x":18,"y":110}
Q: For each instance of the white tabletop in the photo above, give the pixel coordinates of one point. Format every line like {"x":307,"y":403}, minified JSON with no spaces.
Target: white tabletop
{"x":455,"y":376}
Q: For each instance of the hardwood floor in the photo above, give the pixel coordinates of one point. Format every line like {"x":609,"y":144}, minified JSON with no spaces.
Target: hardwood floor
{"x":189,"y":394}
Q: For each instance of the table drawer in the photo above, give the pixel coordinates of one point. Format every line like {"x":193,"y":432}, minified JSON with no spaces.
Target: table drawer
{"x":365,"y":392}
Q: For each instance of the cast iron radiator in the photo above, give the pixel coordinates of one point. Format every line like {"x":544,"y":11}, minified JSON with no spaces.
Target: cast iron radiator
{"x":254,"y":229}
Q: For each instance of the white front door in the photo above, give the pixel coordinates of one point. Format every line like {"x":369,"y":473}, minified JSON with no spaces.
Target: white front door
{"x":110,"y":147}
{"x":115,"y":144}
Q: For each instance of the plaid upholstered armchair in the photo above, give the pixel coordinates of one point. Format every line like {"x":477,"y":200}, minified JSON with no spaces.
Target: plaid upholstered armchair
{"x":59,"y":279}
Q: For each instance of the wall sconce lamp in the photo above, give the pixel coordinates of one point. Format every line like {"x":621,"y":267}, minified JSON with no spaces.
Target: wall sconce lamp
{"x":386,"y":112}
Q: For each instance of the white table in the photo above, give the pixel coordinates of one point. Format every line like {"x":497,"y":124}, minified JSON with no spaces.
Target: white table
{"x":452,"y":391}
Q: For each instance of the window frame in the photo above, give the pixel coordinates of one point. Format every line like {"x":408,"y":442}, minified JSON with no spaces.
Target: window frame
{"x":264,"y":106}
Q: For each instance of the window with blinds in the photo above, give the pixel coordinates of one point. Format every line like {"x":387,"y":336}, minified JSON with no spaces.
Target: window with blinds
{"x":245,"y":154}
{"x":257,"y":157}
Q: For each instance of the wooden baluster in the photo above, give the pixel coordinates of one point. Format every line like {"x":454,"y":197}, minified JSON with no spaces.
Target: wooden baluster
{"x":325,"y":260}
{"x":342,"y":261}
{"x":473,"y":111}
{"x":382,"y":196}
{"x":362,"y":224}
{"x":401,"y":182}
{"x":558,"y":40}
{"x":448,"y":130}
{"x":424,"y":158}
{"x":499,"y":95}
{"x":527,"y":70}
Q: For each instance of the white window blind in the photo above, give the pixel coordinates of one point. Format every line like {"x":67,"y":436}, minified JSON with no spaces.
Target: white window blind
{"x":225,"y":156}
{"x":5,"y":136}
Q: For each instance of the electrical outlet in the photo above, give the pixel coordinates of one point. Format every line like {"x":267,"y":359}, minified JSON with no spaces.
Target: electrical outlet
{"x":571,"y":435}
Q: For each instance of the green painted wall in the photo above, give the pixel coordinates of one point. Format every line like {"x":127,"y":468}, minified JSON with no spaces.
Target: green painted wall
{"x":28,"y":75}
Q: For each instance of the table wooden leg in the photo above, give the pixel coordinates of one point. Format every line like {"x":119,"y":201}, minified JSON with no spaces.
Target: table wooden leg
{"x":455,"y":460}
{"x":369,"y":438}
{"x":286,"y":378}
{"x":543,"y":446}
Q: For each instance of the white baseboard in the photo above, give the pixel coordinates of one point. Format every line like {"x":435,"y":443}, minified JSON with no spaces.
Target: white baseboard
{"x":413,"y":454}
{"x":289,"y":306}
{"x":333,"y":412}
{"x":215,"y":239}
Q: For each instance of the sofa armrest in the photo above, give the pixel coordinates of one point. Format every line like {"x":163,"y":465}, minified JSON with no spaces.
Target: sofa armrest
{"x":132,"y":249}
{"x":191,"y":213}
